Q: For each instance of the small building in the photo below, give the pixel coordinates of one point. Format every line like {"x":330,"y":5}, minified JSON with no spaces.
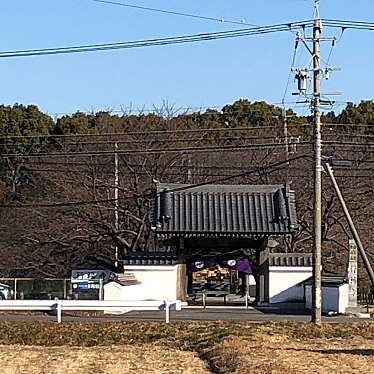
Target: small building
{"x":334,"y":294}
{"x":281,"y":276}
{"x":147,"y":276}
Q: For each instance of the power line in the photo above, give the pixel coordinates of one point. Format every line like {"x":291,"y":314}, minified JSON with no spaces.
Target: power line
{"x":342,"y":144}
{"x":174,"y":13}
{"x":180,"y":110}
{"x":195,"y":109}
{"x":344,"y":24}
{"x":349,"y":124}
{"x":184,"y":39}
{"x":149,"y":132}
{"x":132,"y":165}
{"x":182,"y":131}
{"x":158,"y":41}
{"x":266,"y":168}
{"x":290,"y":74}
{"x":57,"y":205}
{"x":197,"y":175}
{"x":162,"y":141}
{"x":153,"y":151}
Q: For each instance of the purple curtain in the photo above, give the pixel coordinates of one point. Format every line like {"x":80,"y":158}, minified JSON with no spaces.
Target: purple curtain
{"x":240,"y":264}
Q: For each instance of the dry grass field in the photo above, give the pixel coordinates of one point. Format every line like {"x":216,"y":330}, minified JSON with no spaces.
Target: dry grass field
{"x":193,"y":347}
{"x":278,"y":355}
{"x":98,"y":360}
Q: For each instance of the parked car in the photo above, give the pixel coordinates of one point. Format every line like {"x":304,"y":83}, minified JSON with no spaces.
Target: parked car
{"x":5,"y":292}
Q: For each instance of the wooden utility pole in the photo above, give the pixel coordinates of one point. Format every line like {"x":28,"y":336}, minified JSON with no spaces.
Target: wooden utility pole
{"x":317,"y":171}
{"x":285,"y":133}
{"x":116,"y":203}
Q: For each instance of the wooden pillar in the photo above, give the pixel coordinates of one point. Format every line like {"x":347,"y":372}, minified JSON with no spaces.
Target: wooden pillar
{"x":262,"y":279}
{"x":189,"y":282}
{"x":181,"y":272}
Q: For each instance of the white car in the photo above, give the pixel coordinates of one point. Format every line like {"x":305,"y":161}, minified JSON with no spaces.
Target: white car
{"x":5,"y":293}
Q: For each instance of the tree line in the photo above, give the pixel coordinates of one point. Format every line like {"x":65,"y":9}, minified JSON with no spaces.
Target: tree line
{"x":57,"y":176}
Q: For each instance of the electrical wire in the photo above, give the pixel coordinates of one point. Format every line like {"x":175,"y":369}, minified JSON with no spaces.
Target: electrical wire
{"x":162,"y":141}
{"x":267,"y":168}
{"x":347,"y":24}
{"x":183,"y":39}
{"x":127,"y":111}
{"x":156,"y":41}
{"x":369,"y":173}
{"x":149,"y":132}
{"x":172,"y":12}
{"x":153,"y":151}
{"x":289,"y":75}
{"x":58,"y":204}
{"x":340,"y":143}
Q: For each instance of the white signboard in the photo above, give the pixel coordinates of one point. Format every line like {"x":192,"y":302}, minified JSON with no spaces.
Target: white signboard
{"x":352,"y":274}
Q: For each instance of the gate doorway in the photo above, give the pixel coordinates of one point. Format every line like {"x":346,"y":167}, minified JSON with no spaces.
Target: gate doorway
{"x":220,"y":283}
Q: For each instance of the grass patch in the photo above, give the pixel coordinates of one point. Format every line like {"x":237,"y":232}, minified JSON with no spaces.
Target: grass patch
{"x":182,"y":335}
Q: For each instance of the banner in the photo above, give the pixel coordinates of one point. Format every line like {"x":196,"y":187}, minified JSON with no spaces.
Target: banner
{"x":240,"y":264}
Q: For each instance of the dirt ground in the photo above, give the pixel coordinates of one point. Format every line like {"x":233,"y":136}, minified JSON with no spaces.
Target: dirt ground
{"x":98,"y":360}
{"x":272,"y":355}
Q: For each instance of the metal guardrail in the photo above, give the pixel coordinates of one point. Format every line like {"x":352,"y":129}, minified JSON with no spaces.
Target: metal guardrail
{"x":91,"y":305}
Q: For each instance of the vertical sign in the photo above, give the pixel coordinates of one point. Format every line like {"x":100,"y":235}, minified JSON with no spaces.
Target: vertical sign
{"x":352,"y":274}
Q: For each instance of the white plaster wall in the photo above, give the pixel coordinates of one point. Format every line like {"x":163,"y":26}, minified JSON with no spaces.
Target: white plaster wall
{"x":334,"y":298}
{"x":343,"y":298}
{"x":113,"y":291}
{"x":252,"y":280}
{"x":284,"y":283}
{"x":155,"y":283}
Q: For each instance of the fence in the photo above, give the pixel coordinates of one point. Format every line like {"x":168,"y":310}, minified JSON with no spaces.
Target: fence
{"x":48,"y":289}
{"x":366,"y":298}
{"x":91,"y":305}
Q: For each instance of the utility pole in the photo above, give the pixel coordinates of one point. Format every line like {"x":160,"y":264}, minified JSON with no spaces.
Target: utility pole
{"x":285,"y":133}
{"x":317,"y":170}
{"x":316,"y":103}
{"x":116,"y":205}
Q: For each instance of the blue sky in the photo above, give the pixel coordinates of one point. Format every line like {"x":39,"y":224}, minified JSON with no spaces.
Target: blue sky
{"x":197,"y":75}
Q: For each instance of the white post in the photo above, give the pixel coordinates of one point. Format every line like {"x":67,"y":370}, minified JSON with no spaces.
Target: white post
{"x":59,"y":311}
{"x":116,"y":203}
{"x":100,"y":289}
{"x":246,"y":290}
{"x":167,"y":310}
{"x":15,"y":289}
{"x":65,"y":290}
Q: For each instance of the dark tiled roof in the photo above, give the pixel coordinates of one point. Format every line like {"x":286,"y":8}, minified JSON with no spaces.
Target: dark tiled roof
{"x":290,"y":259}
{"x":223,"y":210}
{"x":150,"y":258}
{"x":329,"y":280}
